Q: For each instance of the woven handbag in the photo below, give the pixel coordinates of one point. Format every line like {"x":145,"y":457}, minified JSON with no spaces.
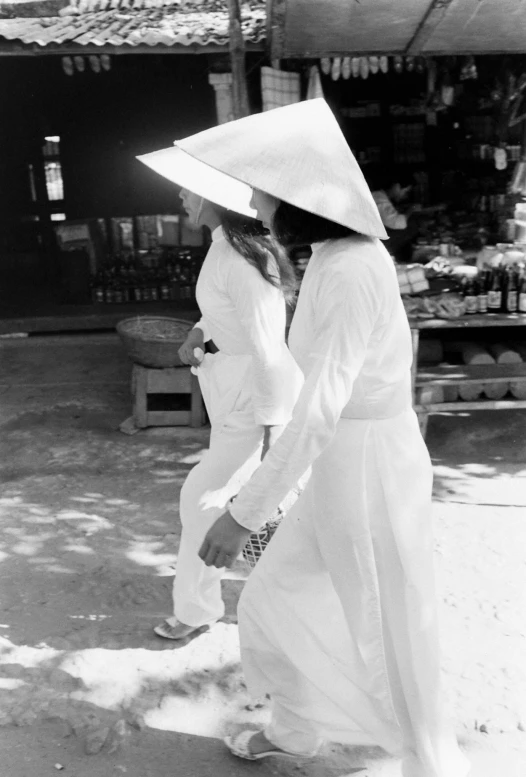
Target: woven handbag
{"x":258,"y":541}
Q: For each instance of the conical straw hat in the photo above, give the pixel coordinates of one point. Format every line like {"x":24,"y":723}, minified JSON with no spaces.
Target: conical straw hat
{"x":184,"y":170}
{"x":297,"y":154}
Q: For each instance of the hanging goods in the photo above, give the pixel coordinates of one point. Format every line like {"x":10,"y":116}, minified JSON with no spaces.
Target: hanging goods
{"x":346,"y":68}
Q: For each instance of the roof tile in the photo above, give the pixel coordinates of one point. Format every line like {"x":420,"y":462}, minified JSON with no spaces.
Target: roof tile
{"x":140,"y":22}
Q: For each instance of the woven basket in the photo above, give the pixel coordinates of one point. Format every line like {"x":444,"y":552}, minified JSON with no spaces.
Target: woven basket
{"x":258,"y":541}
{"x":153,"y":341}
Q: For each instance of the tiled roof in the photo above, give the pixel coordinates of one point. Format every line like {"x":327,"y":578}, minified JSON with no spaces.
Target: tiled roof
{"x":137,"y":22}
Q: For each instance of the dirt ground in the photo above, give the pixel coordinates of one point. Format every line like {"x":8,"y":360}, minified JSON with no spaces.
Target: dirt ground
{"x":87,"y":550}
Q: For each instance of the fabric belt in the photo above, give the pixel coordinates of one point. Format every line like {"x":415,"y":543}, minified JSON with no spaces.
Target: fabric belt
{"x":211,"y":347}
{"x":364,"y":412}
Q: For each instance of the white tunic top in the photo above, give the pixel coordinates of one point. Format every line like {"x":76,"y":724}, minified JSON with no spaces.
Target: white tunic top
{"x":350,"y":337}
{"x":245,"y":316}
{"x":338,"y":620}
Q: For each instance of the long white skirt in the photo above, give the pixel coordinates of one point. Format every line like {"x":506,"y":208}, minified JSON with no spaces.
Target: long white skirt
{"x":338,"y":620}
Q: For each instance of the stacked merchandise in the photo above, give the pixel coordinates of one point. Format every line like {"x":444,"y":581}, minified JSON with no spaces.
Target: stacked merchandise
{"x":411,"y":279}
{"x":431,"y":291}
{"x":139,"y":259}
{"x":155,"y":231}
{"x":408,"y":141}
{"x":433,"y":352}
{"x":497,"y":284}
{"x":164,"y":275}
{"x":499,"y":290}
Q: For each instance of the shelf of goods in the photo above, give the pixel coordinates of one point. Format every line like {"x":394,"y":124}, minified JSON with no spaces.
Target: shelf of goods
{"x":156,"y":276}
{"x":497,"y":372}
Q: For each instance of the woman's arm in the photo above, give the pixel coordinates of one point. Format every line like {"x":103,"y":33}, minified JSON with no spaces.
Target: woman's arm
{"x":346,"y":315}
{"x":257,"y":304}
{"x":201,"y":325}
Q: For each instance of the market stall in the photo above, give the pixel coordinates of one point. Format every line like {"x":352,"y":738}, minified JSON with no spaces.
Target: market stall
{"x":435,"y":113}
{"x":85,"y":88}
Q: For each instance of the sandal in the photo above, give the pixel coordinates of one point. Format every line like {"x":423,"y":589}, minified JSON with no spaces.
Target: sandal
{"x":168,"y":630}
{"x":239,"y":746}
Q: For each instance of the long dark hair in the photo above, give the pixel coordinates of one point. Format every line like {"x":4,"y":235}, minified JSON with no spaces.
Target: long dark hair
{"x":250,"y":239}
{"x":294,"y":227}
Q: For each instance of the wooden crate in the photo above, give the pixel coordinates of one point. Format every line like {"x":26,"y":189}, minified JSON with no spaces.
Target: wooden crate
{"x":147,"y":382}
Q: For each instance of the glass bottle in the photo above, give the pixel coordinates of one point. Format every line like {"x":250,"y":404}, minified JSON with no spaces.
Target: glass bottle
{"x":512,"y":296}
{"x":470,"y":297}
{"x":482,"y":297}
{"x":495,"y":291}
{"x":522,"y":294}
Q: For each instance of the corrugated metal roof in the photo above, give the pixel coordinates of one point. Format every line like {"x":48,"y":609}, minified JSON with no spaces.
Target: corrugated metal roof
{"x":304,"y":28}
{"x":477,"y":26}
{"x":137,"y":22}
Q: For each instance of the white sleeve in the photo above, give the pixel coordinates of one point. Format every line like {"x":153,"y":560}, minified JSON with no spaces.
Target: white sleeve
{"x":257,"y":304}
{"x":201,"y":324}
{"x":345,"y":317}
{"x":391,"y":218}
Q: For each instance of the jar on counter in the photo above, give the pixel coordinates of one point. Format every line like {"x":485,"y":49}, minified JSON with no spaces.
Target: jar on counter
{"x":489,"y":257}
{"x":520,"y":231}
{"x":513,"y":256}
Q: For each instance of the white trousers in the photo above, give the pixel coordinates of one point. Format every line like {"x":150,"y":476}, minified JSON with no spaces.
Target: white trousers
{"x":338,"y":620}
{"x":233,"y":455}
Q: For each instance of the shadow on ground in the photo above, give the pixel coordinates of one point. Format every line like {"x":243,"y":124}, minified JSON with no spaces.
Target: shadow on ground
{"x":89,"y":539}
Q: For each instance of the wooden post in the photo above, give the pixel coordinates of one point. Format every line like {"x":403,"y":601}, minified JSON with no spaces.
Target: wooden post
{"x":237,"y":58}
{"x":415,"y":343}
{"x":140,"y":396}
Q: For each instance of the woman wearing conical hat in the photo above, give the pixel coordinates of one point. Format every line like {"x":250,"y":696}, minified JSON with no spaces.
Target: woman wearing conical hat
{"x":250,"y":382}
{"x":338,"y":620}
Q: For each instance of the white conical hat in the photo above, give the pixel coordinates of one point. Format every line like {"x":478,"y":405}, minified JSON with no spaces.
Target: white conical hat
{"x":188,"y":172}
{"x":297,"y":154}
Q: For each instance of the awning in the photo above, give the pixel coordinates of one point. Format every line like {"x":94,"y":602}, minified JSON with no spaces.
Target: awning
{"x":135,"y":24}
{"x":305,"y":28}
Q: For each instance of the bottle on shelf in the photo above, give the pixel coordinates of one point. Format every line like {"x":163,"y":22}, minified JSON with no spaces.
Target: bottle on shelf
{"x":482,"y":295}
{"x":165,"y":290}
{"x":97,"y":288}
{"x":147,"y":276}
{"x":522,"y":294}
{"x":109,"y":295}
{"x":495,"y":291}
{"x":511,"y":295}
{"x":471,"y":296}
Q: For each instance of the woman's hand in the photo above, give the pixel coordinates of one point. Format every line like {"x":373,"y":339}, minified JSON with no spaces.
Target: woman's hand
{"x":194,"y":340}
{"x":223,"y":542}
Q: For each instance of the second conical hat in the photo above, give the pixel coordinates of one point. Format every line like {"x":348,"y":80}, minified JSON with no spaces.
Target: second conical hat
{"x":297,"y":154}
{"x":186,"y":171}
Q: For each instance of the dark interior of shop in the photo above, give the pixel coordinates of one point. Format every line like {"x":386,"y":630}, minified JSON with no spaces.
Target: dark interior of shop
{"x":69,"y":142}
{"x":97,"y":122}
